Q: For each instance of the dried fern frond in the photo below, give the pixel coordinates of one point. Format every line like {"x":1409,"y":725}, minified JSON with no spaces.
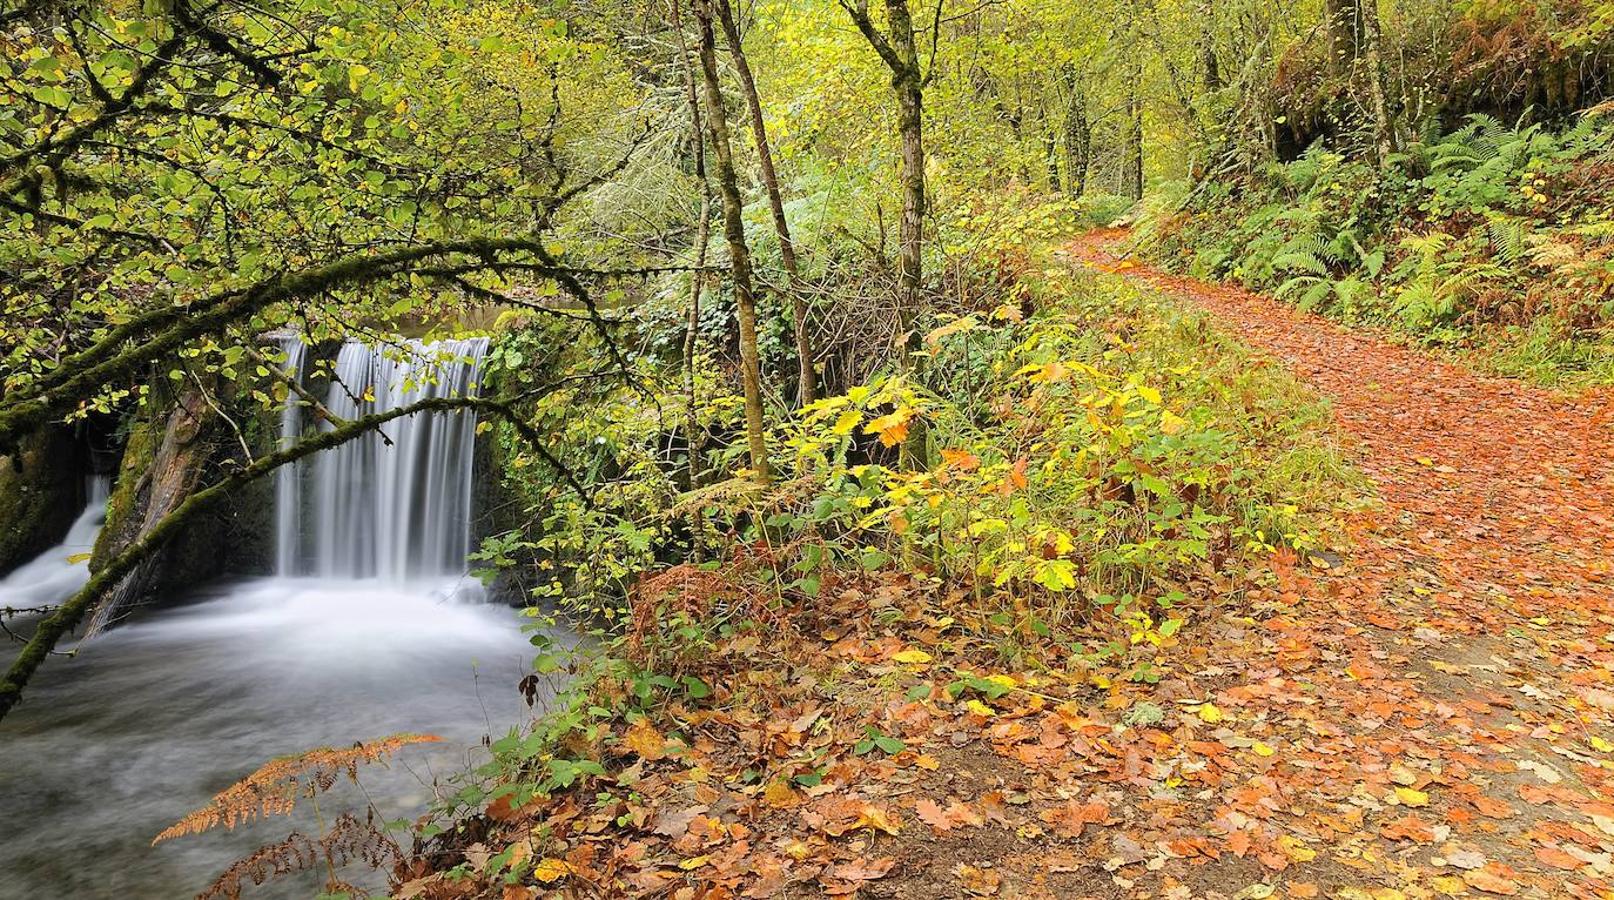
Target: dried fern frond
{"x":274,"y":788}
{"x":348,"y":840}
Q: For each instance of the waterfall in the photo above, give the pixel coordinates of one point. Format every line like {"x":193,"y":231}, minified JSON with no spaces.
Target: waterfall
{"x":393,"y":504}
{"x":59,"y":572}
{"x":288,"y":480}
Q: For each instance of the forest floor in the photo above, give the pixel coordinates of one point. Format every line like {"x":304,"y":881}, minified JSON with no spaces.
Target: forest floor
{"x":1428,"y":713}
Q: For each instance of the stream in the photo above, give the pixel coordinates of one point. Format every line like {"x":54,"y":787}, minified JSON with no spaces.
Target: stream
{"x":372,"y":628}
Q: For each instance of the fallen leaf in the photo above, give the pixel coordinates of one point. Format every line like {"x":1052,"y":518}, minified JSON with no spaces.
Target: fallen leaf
{"x":1411,"y":796}
{"x":1494,"y":878}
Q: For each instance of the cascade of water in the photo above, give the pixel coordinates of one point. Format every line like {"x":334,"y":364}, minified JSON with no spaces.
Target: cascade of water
{"x":393,"y":504}
{"x":56,"y":574}
{"x":288,"y":480}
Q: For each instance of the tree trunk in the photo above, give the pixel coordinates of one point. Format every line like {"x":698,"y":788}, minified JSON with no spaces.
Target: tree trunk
{"x":808,"y":391}
{"x":1050,"y":153}
{"x":1343,"y":23}
{"x":703,"y":235}
{"x":728,"y":186}
{"x":1132,"y":165}
{"x":1078,"y":136}
{"x":1384,"y":138}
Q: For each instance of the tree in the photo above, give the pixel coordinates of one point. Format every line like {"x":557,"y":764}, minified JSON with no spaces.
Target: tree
{"x":728,"y":185}
{"x":899,"y":51}
{"x":807,"y":390}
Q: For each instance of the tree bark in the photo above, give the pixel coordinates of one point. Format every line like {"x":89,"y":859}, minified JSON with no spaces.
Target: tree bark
{"x":900,"y":53}
{"x":703,"y":235}
{"x":1384,"y":137}
{"x":734,"y":232}
{"x":1078,"y":136}
{"x":1132,"y":165}
{"x":808,"y":386}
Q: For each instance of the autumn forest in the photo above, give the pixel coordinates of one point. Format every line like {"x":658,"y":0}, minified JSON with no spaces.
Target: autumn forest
{"x":518,"y":449}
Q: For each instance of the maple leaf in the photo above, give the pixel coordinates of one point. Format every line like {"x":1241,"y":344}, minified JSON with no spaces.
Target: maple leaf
{"x":550,"y":870}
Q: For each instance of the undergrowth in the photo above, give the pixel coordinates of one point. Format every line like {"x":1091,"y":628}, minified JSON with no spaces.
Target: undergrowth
{"x":1100,"y":473}
{"x":1490,"y":239}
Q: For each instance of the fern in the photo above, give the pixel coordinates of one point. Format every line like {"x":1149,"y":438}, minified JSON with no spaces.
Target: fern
{"x":1508,"y":237}
{"x":274,"y":788}
{"x":348,"y":840}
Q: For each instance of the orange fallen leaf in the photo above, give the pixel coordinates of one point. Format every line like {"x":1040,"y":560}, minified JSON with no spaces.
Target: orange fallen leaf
{"x":1492,"y":878}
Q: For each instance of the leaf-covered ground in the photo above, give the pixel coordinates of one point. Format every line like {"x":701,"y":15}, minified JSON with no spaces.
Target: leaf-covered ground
{"x":1430,"y":713}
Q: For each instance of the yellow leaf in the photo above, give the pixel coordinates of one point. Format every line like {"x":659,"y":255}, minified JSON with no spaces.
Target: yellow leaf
{"x":1411,"y":797}
{"x":846,"y":422}
{"x":1450,"y":885}
{"x":551,"y":870}
{"x":913,"y":657}
{"x":1209,"y":714}
{"x":875,"y":817}
{"x":779,"y":794}
{"x":646,"y":741}
{"x":1296,"y":849}
{"x":928,"y":763}
{"x":1262,"y":749}
{"x":979,"y":708}
{"x":1149,"y":394}
{"x":1171,"y":423}
{"x":892,"y":428}
{"x":1600,"y":744}
{"x":1004,"y":681}
{"x":694,"y":863}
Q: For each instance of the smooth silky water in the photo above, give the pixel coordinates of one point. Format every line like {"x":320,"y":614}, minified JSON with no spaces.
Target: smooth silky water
{"x":371,"y":629}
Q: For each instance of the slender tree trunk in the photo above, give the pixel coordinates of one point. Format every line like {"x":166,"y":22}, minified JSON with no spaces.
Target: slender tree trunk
{"x":1078,"y":136}
{"x":808,"y":391}
{"x":728,"y":186}
{"x":1050,"y":154}
{"x":703,"y":235}
{"x":1132,"y":165}
{"x":1384,"y":137}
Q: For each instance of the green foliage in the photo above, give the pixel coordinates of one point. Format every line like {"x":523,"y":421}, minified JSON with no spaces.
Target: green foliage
{"x":1488,"y":236}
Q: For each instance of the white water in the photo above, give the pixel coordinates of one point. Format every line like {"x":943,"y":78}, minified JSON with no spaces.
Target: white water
{"x":56,"y":574}
{"x":147,"y":722}
{"x":393,"y":504}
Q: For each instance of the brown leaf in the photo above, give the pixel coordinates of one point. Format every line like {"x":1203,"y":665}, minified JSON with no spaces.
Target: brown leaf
{"x":674,"y":824}
{"x":1069,"y":820}
{"x":864,"y":870}
{"x":931,"y":813}
{"x":978,"y":881}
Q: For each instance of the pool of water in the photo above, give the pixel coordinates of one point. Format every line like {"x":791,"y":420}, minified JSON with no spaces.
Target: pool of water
{"x":147,"y":722}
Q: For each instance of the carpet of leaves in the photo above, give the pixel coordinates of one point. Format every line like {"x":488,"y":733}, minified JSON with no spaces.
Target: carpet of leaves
{"x":1428,"y":713}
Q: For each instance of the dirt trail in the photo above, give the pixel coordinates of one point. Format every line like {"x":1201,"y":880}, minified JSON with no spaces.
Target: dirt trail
{"x":1439,"y":709}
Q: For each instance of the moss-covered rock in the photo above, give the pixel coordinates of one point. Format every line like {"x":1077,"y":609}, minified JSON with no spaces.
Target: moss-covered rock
{"x":40,"y":495}
{"x":172,"y":451}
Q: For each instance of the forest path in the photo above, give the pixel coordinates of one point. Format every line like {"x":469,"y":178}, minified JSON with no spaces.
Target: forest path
{"x":1449,"y":688}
